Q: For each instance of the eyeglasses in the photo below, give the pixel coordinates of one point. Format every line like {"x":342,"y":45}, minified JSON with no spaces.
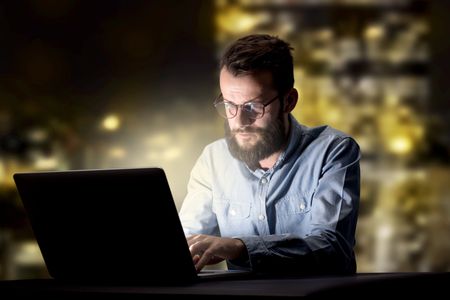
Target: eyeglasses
{"x":228,"y":110}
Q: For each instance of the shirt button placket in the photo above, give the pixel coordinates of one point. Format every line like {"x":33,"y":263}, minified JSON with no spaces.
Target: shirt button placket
{"x":262,"y":216}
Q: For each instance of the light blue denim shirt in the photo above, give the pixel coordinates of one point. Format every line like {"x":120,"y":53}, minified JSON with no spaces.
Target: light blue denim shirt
{"x":298,"y":216}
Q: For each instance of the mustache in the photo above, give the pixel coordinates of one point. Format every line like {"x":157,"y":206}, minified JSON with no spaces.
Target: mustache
{"x":247,"y":130}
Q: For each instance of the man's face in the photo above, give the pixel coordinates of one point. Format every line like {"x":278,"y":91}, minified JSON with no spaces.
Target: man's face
{"x":252,"y":140}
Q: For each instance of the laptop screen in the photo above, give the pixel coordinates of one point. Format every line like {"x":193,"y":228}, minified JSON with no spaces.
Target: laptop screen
{"x":107,"y":225}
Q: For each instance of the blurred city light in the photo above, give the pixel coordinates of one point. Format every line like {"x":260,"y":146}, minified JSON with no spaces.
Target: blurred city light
{"x":111,"y":122}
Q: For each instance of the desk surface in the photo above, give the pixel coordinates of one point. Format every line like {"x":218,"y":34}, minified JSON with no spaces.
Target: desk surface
{"x":287,"y":287}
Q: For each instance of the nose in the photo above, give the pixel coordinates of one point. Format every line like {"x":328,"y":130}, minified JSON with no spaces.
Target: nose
{"x":242,"y":118}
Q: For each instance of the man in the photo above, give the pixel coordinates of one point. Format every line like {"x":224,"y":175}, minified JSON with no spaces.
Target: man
{"x":274,"y":195}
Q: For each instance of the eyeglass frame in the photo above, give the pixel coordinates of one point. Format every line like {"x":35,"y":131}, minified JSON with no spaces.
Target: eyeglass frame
{"x":217,"y":101}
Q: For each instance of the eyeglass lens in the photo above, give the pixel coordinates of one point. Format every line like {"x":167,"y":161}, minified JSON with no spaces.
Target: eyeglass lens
{"x":229,"y":110}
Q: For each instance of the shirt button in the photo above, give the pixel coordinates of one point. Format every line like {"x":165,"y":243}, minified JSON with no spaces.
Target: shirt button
{"x":261,"y":217}
{"x":264,"y":180}
{"x":302,"y":206}
{"x":232,"y":212}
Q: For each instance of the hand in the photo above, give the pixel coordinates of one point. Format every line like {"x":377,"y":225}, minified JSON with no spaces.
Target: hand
{"x":209,"y":250}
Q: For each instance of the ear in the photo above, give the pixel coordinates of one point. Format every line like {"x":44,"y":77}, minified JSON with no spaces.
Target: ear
{"x":291,"y":100}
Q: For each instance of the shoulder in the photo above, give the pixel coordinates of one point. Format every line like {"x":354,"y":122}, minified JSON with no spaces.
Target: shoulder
{"x":215,"y":158}
{"x":324,"y":131}
{"x":326,"y":142}
{"x":217,"y":145}
{"x":217,"y":150}
{"x":326,"y":135}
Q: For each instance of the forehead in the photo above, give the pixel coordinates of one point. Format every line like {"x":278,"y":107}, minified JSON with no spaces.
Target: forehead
{"x":245,"y":87}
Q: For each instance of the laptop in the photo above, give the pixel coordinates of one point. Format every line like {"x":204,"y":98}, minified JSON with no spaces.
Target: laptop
{"x":110,"y":225}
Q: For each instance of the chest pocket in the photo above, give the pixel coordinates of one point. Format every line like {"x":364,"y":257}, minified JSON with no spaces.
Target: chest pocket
{"x":294,"y":204}
{"x":232,"y":210}
{"x":293,"y":214}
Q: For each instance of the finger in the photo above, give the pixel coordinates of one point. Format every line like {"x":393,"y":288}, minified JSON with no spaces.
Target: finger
{"x":191,"y":249}
{"x":192,"y":242}
{"x":195,"y":259}
{"x":203,"y":261}
{"x":196,"y":248}
{"x":189,"y":239}
{"x":215,"y":260}
{"x":193,"y":238}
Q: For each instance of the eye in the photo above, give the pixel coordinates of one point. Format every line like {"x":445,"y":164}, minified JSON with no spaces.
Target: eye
{"x":228,"y":105}
{"x":248,"y":107}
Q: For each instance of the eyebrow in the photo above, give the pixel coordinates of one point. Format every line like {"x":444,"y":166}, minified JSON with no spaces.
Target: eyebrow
{"x":248,"y":101}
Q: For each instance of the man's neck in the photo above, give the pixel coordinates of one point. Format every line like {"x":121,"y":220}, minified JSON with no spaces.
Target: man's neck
{"x":270,"y":161}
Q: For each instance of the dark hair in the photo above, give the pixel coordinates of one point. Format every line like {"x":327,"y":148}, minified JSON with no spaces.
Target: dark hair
{"x":261,"y":52}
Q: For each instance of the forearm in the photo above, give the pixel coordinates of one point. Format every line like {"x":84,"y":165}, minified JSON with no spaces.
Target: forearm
{"x":328,"y":252}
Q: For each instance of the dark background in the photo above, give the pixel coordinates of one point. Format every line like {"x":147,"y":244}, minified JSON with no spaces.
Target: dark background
{"x":72,"y":56}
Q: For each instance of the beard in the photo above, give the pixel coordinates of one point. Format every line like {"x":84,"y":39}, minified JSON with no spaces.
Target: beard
{"x":270,"y":140}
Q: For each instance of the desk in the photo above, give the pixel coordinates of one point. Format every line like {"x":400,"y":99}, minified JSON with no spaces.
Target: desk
{"x":369,"y":284}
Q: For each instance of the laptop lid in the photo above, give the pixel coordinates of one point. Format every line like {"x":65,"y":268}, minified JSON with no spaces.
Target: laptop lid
{"x":107,"y":225}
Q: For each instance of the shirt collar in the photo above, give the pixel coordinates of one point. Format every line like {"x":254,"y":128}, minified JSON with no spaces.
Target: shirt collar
{"x":295,"y":132}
